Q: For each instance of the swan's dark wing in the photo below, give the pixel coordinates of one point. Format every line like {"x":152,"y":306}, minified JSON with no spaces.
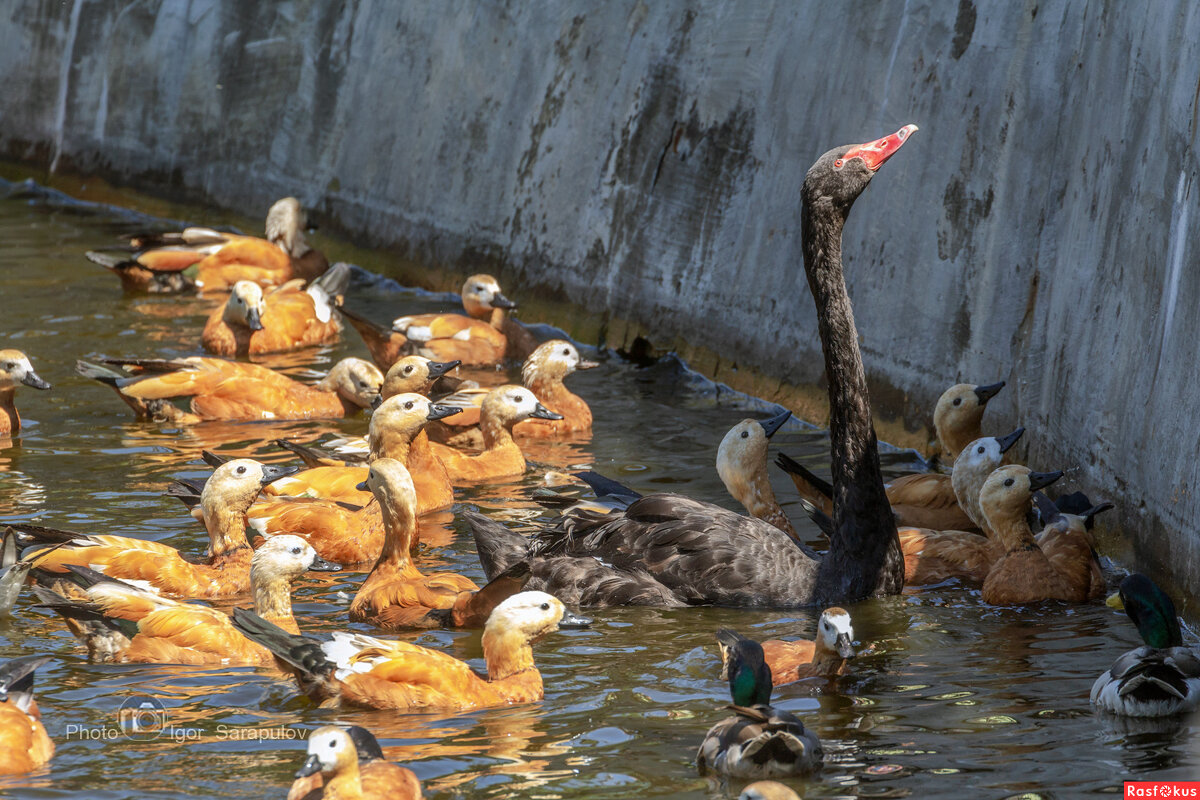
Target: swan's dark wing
{"x":590,"y":581}
{"x":701,"y":552}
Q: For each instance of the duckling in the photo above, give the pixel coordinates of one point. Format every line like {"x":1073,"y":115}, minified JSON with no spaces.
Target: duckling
{"x":767,"y":790}
{"x":24,"y":743}
{"x":164,"y":631}
{"x":759,"y":741}
{"x":348,"y":764}
{"x":395,"y":432}
{"x":218,"y":260}
{"x":225,"y":572}
{"x":794,"y":661}
{"x":924,"y":500}
{"x":1160,"y":679}
{"x":395,"y":594}
{"x":542,"y":373}
{"x":14,"y":369}
{"x":503,"y":408}
{"x":365,"y":671}
{"x":288,"y":318}
{"x":231,"y":390}
{"x":445,"y":337}
{"x":1058,"y":569}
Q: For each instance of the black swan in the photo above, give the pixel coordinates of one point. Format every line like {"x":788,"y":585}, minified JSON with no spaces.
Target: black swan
{"x":703,"y":554}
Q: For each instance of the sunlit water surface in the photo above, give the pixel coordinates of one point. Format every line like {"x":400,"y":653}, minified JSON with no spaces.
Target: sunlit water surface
{"x":949,"y":698}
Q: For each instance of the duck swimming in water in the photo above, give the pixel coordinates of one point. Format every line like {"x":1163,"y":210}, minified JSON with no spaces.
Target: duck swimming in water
{"x":361,"y":670}
{"x":503,"y":408}
{"x":1160,"y":679}
{"x":15,"y":370}
{"x":215,"y":261}
{"x":824,"y":657}
{"x":348,"y":764}
{"x":24,"y":743}
{"x":758,"y":741}
{"x":290,"y":317}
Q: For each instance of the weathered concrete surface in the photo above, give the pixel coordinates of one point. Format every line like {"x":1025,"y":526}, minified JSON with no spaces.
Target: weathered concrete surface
{"x":643,"y":160}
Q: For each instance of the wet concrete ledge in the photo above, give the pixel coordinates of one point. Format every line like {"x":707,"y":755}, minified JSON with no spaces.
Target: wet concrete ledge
{"x":642,"y":161}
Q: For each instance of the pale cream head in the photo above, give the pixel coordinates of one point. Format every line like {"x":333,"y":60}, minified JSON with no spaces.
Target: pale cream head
{"x":958,"y":414}
{"x":836,"y":632}
{"x":357,"y":381}
{"x":245,"y":306}
{"x":554,"y":359}
{"x":409,"y":374}
{"x":236,"y":484}
{"x":392,"y":484}
{"x":403,"y":413}
{"x":1007,"y":494}
{"x":333,"y":748}
{"x":285,"y":226}
{"x":510,"y":404}
{"x":481,"y":295}
{"x":531,"y":615}
{"x":284,"y":557}
{"x":16,"y":369}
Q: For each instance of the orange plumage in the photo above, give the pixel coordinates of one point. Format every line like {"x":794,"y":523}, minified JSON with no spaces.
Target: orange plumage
{"x":347,"y":764}
{"x":503,"y":408}
{"x":24,"y":743}
{"x":288,"y":318}
{"x":15,"y":370}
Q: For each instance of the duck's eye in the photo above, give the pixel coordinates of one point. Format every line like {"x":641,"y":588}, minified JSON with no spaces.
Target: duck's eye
{"x":476,"y":288}
{"x":408,"y":406}
{"x":958,"y":401}
{"x":333,"y":743}
{"x":1008,"y":482}
{"x":545,"y":606}
{"x":516,"y":398}
{"x":838,"y":164}
{"x":745,"y":434}
{"x":980,"y":450}
{"x":566,"y":352}
{"x":408,"y":370}
{"x":241,"y":470}
{"x":295,"y":551}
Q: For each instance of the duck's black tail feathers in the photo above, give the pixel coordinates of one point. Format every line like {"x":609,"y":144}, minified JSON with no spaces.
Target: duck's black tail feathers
{"x":499,"y":548}
{"x":811,"y":487}
{"x":105,"y":637}
{"x":302,"y":655}
{"x":311,"y":456}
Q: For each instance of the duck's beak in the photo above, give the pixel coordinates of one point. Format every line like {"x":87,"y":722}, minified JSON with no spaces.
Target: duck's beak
{"x":845,"y":647}
{"x":1040,"y":480}
{"x":1114,"y":601}
{"x":272,"y":473}
{"x":584,"y":364}
{"x":573,"y":621}
{"x":377,"y":402}
{"x":33,"y":379}
{"x":439,"y":368}
{"x":541,"y":412}
{"x":362,"y":486}
{"x":1008,"y":441}
{"x":312,"y":765}
{"x":500,"y":301}
{"x":1089,"y":516}
{"x":985,"y":393}
{"x":441,"y":410}
{"x":321,"y":565}
{"x":773,"y":424}
{"x":254,"y":320}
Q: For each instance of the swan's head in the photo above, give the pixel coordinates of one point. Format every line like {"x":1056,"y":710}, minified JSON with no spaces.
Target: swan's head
{"x":357,"y":381}
{"x":836,"y":632}
{"x":982,"y":456}
{"x":245,"y":306}
{"x":414,"y":374}
{"x":840,"y":175}
{"x":531,"y":615}
{"x":405,"y":414}
{"x":392,"y":485}
{"x":236,"y":484}
{"x":481,"y":295}
{"x":742,"y":454}
{"x":286,"y":222}
{"x":330,"y":751}
{"x":15,"y":368}
{"x":960,"y":409}
{"x":285,"y":557}
{"x":1007,"y":493}
{"x":553,"y":359}
{"x":510,"y":404}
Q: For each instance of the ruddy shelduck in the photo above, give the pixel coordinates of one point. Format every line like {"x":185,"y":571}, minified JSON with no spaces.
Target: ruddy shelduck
{"x":166,"y":631}
{"x":396,"y":595}
{"x":361,"y":670}
{"x":742,"y":466}
{"x":230,"y":390}
{"x":15,"y":370}
{"x":824,"y":657}
{"x":289,"y":317}
{"x":225,"y":571}
{"x":503,"y":408}
{"x":24,"y":743}
{"x":348,"y":764}
{"x":214,"y":260}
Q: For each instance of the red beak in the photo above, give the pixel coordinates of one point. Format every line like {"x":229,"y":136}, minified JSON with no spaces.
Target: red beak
{"x":875,"y":153}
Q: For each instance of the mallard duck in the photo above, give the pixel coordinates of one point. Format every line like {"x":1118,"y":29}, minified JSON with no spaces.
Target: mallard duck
{"x":232,"y":390}
{"x":214,"y":260}
{"x":24,"y":743}
{"x":1160,"y":679}
{"x":348,"y":764}
{"x":289,"y":317}
{"x":365,"y":671}
{"x":396,"y":595}
{"x":14,"y":369}
{"x":758,"y":741}
{"x":225,"y":572}
{"x":159,"y":630}
{"x":824,"y":657}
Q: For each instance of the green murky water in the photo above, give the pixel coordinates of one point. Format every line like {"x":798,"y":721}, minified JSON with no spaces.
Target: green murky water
{"x":950,"y":698}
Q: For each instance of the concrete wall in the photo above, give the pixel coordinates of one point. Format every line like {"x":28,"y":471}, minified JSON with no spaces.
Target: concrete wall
{"x":643,"y":159}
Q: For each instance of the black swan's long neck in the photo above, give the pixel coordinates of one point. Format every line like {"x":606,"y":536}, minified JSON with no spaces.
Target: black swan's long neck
{"x":864,"y":556}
